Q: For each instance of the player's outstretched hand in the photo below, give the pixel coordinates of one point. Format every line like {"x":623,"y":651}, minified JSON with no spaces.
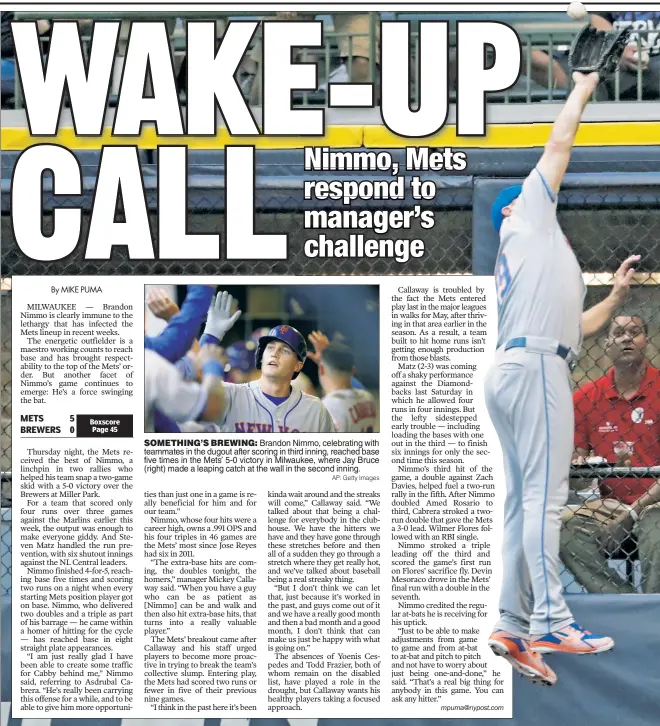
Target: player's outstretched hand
{"x":208,"y":353}
{"x":623,"y":277}
{"x":161,"y":304}
{"x":320,"y":342}
{"x":589,"y":80}
{"x":220,"y":318}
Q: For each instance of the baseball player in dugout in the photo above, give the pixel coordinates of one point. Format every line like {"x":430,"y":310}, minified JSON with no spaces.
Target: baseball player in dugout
{"x":353,"y":409}
{"x":540,"y":293}
{"x":269,"y":404}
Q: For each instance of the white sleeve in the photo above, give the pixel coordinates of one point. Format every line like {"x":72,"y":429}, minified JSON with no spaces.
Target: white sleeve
{"x":231,"y":390}
{"x":337,"y":411}
{"x":327,"y":424}
{"x":538,"y":203}
{"x":165,"y":389}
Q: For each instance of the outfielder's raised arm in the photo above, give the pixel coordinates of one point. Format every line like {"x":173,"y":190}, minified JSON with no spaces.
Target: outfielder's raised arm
{"x":599,"y":315}
{"x":557,"y":154}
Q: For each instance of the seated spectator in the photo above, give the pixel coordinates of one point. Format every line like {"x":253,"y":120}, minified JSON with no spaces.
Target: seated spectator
{"x":617,"y":417}
{"x":353,"y":41}
{"x":648,"y":60}
{"x":8,"y":48}
{"x":9,"y":52}
{"x":540,"y":69}
{"x":353,"y":409}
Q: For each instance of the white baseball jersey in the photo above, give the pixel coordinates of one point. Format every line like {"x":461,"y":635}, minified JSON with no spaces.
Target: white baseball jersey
{"x":540,"y":290}
{"x":247,"y":410}
{"x":528,"y":394}
{"x":165,"y":390}
{"x":199,"y":427}
{"x":353,"y":410}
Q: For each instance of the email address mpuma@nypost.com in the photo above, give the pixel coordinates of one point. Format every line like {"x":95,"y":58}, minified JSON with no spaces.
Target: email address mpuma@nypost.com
{"x":447,"y":707}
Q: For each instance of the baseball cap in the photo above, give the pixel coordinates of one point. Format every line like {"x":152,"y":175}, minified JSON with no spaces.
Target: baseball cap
{"x":240,"y":355}
{"x":503,"y":199}
{"x":259,"y":333}
{"x":339,"y":357}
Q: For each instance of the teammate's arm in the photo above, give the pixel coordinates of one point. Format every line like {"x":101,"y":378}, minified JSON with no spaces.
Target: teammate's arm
{"x":181,"y":400}
{"x":221,"y":317}
{"x":164,"y":424}
{"x":175,"y":341}
{"x":557,"y":153}
{"x":164,"y":308}
{"x":209,"y":359}
{"x":597,"y":317}
{"x":320,"y":341}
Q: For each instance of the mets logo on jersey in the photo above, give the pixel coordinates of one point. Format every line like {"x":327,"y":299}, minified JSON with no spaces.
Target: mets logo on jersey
{"x":502,"y":279}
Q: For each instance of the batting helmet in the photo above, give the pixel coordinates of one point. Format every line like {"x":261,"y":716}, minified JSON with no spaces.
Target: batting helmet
{"x":259,"y":333}
{"x":292,"y":337}
{"x":240,"y":355}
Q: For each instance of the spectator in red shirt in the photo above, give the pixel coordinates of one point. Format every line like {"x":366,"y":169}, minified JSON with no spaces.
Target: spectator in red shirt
{"x":617,"y":417}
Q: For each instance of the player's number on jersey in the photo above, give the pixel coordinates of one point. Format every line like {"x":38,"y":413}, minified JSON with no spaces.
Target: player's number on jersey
{"x":502,"y":279}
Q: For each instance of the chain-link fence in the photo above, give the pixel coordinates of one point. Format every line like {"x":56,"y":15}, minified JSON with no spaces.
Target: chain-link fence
{"x":610,"y":540}
{"x":5,"y":437}
{"x":5,"y":541}
{"x":611,"y":533}
{"x":448,"y":250}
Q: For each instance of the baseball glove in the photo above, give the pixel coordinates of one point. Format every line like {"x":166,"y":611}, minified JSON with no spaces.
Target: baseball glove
{"x":597,"y":50}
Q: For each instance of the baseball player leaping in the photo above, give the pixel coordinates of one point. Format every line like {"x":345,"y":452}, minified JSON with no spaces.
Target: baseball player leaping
{"x":528,"y":394}
{"x":269,"y":404}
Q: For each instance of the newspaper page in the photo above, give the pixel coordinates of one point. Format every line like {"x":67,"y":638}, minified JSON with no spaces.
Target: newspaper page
{"x":290,"y":330}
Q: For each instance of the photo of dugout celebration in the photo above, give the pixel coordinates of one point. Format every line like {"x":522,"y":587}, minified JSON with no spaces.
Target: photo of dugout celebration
{"x":247,"y":372}
{"x":393,"y":277}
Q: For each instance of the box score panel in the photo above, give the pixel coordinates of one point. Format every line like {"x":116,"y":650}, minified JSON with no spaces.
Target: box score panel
{"x":78,"y":426}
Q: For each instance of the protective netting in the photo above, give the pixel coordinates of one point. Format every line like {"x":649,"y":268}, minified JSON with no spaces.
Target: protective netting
{"x":5,"y":439}
{"x":448,"y":249}
{"x":606,"y":547}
